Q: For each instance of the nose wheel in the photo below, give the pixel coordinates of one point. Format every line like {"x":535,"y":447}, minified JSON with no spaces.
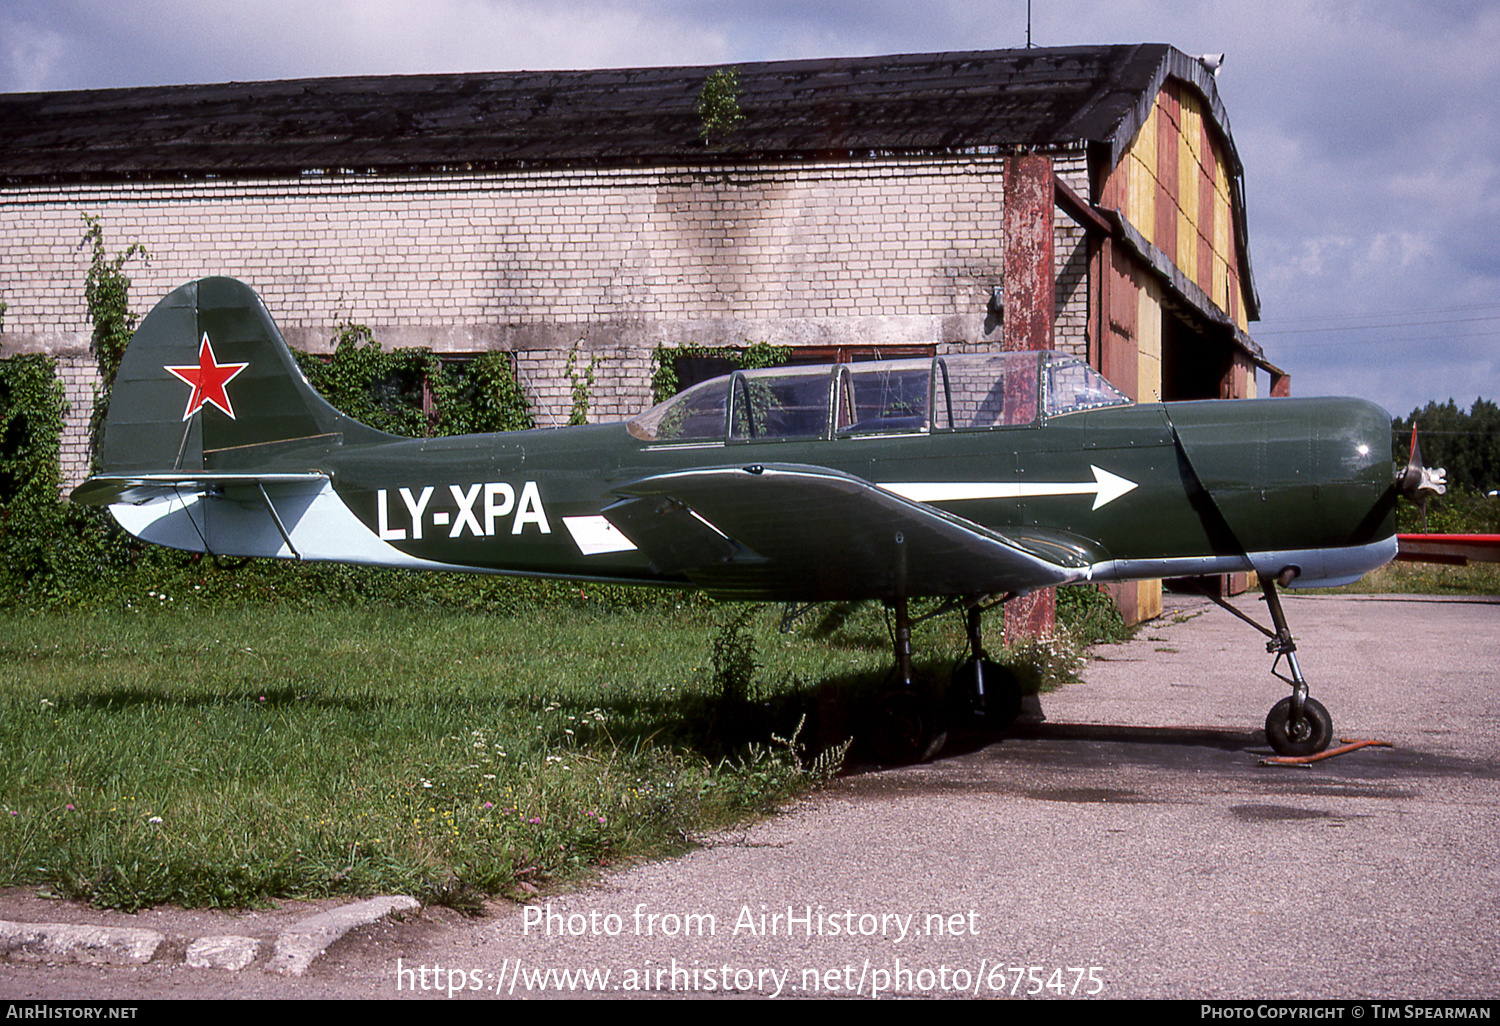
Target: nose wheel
{"x":1290,"y":734}
{"x":1297,"y":725}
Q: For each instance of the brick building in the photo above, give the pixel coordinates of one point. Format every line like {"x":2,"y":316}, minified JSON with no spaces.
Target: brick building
{"x":1085,"y":198}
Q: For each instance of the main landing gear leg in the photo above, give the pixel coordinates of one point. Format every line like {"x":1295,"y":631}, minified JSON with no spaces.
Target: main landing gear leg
{"x":1296,"y":725}
{"x":904,"y":722}
{"x":983,"y":692}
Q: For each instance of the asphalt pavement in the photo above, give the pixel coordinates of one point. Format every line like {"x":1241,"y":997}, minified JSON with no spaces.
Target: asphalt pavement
{"x":1129,"y":845}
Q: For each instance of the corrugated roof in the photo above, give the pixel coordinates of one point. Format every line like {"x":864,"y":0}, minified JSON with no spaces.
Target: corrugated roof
{"x":921,"y":103}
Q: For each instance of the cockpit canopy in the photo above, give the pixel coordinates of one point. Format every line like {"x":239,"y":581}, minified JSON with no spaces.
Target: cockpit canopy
{"x":972,"y":392}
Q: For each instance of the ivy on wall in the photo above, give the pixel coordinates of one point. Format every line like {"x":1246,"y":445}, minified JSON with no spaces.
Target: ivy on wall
{"x":106,"y":291}
{"x":664,"y":380}
{"x":31,"y":415}
{"x":412,"y":392}
{"x":582,"y":383}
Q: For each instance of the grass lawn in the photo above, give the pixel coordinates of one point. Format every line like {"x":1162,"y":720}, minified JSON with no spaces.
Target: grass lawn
{"x":229,"y":755}
{"x":1426,"y":579}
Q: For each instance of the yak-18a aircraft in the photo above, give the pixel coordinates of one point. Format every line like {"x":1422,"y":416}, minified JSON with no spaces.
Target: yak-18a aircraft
{"x":972,"y":478}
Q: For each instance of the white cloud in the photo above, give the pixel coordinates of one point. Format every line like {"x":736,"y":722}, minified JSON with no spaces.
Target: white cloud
{"x":139,"y":42}
{"x":31,"y":52}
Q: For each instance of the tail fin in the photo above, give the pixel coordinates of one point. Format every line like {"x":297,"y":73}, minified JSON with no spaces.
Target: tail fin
{"x":215,"y":442}
{"x":208,"y":384}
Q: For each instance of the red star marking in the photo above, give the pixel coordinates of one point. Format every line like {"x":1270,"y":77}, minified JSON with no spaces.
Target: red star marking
{"x":208,"y":379}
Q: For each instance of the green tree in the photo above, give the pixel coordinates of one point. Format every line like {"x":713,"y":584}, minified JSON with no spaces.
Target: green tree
{"x":718,"y":105}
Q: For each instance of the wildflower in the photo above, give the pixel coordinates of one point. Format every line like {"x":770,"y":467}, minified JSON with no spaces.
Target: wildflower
{"x":154,"y":819}
{"x":69,"y":806}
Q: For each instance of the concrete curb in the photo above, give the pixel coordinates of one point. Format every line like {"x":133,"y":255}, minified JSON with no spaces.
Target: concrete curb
{"x":295,"y":949}
{"x":90,"y":945}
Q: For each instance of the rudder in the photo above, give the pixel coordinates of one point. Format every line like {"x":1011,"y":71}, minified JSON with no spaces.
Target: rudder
{"x":206,"y":376}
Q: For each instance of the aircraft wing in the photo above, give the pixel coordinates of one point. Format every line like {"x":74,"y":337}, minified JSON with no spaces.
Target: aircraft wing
{"x":789,"y":531}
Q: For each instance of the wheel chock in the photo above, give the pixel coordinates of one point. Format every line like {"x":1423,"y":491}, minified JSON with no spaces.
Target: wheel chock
{"x":1344,"y":747}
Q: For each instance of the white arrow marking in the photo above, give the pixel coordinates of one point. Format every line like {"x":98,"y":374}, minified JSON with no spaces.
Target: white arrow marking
{"x":1105,"y":488}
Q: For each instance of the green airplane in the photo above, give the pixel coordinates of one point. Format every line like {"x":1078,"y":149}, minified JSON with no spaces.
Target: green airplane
{"x":973,"y":478}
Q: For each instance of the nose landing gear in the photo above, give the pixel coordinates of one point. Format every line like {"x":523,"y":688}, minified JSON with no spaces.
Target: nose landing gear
{"x":1297,"y":725}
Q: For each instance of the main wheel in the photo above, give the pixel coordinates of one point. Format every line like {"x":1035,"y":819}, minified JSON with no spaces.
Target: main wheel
{"x":903,"y":728}
{"x":1307,"y":736}
{"x":985,"y":694}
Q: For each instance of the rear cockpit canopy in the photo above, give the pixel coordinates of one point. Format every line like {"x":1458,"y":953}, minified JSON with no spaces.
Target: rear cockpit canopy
{"x":966,"y":392}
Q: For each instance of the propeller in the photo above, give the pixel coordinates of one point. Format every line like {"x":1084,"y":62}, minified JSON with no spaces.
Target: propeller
{"x":1417,"y":482}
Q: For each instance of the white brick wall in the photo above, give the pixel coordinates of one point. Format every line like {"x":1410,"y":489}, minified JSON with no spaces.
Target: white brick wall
{"x":798,"y":254}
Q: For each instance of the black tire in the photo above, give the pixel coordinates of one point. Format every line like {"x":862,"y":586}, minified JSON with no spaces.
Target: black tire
{"x":985,"y":694}
{"x":1308,"y":737}
{"x":903,"y":728}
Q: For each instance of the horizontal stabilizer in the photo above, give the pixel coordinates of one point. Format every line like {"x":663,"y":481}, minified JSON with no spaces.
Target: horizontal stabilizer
{"x":109,"y":490}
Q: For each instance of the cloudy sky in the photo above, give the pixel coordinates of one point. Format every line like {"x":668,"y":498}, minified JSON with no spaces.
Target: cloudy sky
{"x":1368,"y":128}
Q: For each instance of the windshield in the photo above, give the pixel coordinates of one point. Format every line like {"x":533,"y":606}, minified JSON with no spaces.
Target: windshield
{"x":691,"y":416}
{"x":1073,"y":386}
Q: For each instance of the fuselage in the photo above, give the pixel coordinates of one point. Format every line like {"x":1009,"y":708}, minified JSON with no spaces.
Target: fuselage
{"x":1206,"y":487}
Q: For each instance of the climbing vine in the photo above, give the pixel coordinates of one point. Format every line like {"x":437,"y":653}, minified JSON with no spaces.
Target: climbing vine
{"x":487,"y":398}
{"x":665,"y":382}
{"x":583,"y":385}
{"x":106,"y":291}
{"x":31,"y":406}
{"x":388,"y":389}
